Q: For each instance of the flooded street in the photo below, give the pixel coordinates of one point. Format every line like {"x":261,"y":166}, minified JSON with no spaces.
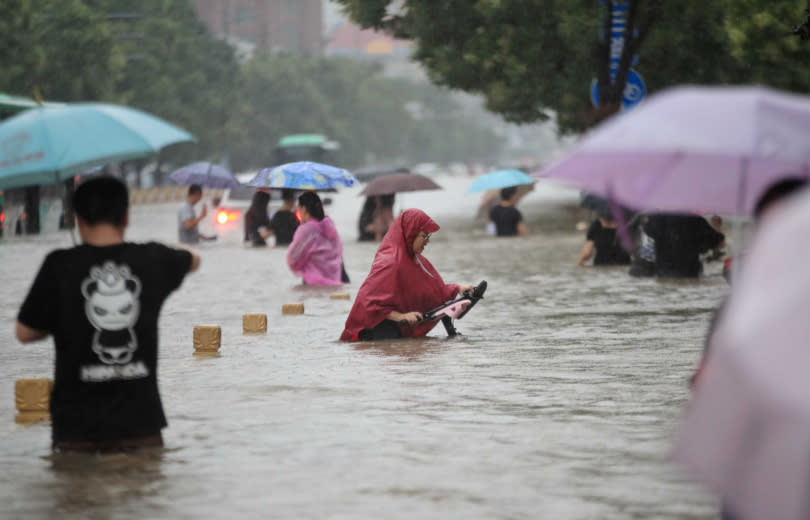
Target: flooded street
{"x":559,"y":400}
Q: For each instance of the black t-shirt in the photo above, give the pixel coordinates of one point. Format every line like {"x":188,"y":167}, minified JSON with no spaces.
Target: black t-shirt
{"x":506,"y":219}
{"x":679,"y":241}
{"x":101,"y":305}
{"x":284,"y":225}
{"x":608,"y":249}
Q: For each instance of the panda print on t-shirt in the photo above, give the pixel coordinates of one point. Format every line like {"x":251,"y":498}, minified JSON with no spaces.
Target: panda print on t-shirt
{"x":112,"y":306}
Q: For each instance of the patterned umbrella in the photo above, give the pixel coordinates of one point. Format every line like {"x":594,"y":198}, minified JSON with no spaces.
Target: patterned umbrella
{"x":303,"y":175}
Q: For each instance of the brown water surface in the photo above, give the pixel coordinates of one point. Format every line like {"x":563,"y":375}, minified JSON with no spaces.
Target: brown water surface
{"x":558,"y":401}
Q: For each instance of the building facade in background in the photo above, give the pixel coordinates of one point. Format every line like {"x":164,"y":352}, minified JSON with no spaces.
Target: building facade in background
{"x":268,"y":25}
{"x":349,"y":40}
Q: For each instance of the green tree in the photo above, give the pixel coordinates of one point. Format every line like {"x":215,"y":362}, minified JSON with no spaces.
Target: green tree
{"x":162,"y":60}
{"x":531,"y":56}
{"x":63,"y":49}
{"x":352,"y":103}
{"x":176,"y":70}
{"x":761,"y":40}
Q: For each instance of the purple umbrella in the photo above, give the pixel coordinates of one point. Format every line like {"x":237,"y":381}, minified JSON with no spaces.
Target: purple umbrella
{"x":694,"y":149}
{"x":205,"y":174}
{"x":399,"y":182}
{"x":746,"y":432}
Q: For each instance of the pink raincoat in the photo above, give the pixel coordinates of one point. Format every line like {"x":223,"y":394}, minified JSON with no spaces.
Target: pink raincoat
{"x":315,"y":253}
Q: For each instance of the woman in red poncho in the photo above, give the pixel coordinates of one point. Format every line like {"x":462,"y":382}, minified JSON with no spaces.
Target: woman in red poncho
{"x":401,"y":284}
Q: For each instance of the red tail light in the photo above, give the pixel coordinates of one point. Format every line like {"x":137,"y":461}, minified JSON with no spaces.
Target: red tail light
{"x":224,"y":216}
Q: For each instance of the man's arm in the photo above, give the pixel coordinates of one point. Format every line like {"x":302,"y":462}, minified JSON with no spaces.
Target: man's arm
{"x":27,"y":335}
{"x":521,"y":229}
{"x":195,"y":262}
{"x":587,"y":252}
{"x":191,"y":223}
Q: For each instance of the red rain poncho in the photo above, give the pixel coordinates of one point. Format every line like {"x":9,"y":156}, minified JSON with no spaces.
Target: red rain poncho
{"x":400,"y":280}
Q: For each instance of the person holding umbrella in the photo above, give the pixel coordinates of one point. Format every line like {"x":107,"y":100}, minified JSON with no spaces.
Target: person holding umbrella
{"x":376,"y":217}
{"x":378,"y":211}
{"x":506,"y":218}
{"x":365,"y":223}
{"x":316,"y":249}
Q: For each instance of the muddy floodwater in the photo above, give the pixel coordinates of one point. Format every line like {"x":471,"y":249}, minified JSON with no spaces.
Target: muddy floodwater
{"x":559,"y":401}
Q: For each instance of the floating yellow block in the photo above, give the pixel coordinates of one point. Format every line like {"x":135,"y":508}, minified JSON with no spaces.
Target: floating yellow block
{"x":207,"y":339}
{"x":339,"y":296}
{"x":292,"y":308}
{"x":32,"y":398}
{"x":254,"y":323}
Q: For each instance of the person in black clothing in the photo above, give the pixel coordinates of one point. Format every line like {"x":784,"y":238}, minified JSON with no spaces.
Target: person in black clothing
{"x":679,"y":242}
{"x":601,"y":239}
{"x":257,"y":223}
{"x":365,"y":222}
{"x":642,"y":260}
{"x":284,"y":222}
{"x":101,"y":301}
{"x":506,"y":217}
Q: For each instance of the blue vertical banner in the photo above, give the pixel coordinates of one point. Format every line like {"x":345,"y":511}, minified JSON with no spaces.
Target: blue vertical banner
{"x":618,"y":24}
{"x":635,"y":90}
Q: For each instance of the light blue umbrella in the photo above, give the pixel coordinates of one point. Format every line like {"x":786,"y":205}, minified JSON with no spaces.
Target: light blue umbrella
{"x":47,"y":144}
{"x":500,"y":179}
{"x":303,"y":175}
{"x":206,"y":174}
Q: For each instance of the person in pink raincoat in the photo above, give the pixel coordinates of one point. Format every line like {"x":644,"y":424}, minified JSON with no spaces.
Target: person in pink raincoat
{"x":316,"y":249}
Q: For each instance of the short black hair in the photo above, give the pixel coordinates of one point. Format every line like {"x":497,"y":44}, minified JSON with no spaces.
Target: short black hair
{"x":287,"y":194}
{"x":194,"y":189}
{"x":102,"y":200}
{"x":508,"y":193}
{"x":776,"y":191}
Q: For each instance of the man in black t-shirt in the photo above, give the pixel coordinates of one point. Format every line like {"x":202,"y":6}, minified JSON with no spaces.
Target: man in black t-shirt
{"x":284,"y":221}
{"x":101,"y":301}
{"x":505,"y":216}
{"x":602,"y":243}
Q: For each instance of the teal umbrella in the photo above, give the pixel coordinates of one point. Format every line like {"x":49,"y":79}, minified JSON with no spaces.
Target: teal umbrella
{"x":47,"y":144}
{"x":500,"y":179}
